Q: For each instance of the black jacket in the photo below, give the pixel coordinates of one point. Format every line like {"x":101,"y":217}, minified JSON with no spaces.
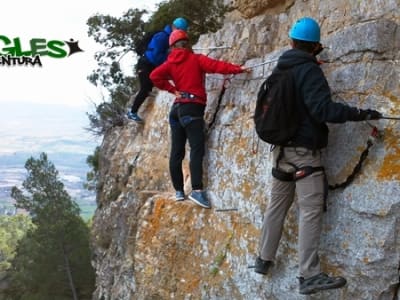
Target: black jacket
{"x":313,"y":90}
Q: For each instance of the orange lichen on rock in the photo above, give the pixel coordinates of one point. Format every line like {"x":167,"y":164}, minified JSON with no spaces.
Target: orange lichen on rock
{"x":247,"y":189}
{"x":366,"y":260}
{"x":155,"y":219}
{"x":171,"y":236}
{"x":390,"y":169}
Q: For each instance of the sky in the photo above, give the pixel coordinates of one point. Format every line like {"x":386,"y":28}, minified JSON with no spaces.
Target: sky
{"x":58,"y":81}
{"x":43,"y":109}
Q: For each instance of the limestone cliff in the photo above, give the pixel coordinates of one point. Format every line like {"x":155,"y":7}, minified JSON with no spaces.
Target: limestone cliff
{"x":149,"y":247}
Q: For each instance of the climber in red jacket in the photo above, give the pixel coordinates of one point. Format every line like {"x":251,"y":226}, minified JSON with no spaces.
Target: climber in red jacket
{"x":187,"y":71}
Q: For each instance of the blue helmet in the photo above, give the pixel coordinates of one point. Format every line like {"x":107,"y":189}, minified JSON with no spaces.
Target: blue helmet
{"x":305,"y":29}
{"x":180,"y":23}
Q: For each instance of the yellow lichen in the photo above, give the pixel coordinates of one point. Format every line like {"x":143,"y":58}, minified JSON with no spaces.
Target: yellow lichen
{"x":390,"y":169}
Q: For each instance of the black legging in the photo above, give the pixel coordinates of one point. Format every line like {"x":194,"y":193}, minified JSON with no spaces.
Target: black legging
{"x":144,"y":69}
{"x":187,"y":123}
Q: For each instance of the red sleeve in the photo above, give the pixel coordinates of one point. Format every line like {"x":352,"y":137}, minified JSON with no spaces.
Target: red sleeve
{"x":210,"y":65}
{"x":160,"y":77}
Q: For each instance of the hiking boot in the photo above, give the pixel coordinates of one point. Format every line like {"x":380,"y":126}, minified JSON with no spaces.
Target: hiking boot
{"x":320,"y":282}
{"x":134,"y":116}
{"x":262,"y":266}
{"x":200,"y":198}
{"x":179,"y":196}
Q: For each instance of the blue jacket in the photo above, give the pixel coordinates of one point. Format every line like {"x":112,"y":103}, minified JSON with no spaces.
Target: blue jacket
{"x":157,"y":50}
{"x":313,"y":89}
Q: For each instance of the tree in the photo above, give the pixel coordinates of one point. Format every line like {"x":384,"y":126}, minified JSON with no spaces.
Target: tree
{"x":203,"y":15}
{"x":118,"y":36}
{"x":93,"y":175}
{"x":12,"y":230}
{"x":108,"y":115}
{"x":53,"y":260}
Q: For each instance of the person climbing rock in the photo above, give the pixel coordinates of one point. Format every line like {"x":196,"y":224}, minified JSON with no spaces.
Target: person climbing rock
{"x":187,"y":71}
{"x":154,"y":54}
{"x":304,"y":150}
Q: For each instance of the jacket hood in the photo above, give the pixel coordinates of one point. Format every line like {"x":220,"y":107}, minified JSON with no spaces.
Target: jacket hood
{"x":178,"y":55}
{"x":168,"y":29}
{"x":295,"y":57}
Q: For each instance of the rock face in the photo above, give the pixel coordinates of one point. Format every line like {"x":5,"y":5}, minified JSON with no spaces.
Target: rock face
{"x":252,"y":8}
{"x":149,"y":247}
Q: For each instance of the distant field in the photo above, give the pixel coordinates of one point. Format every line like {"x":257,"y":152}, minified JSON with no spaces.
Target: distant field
{"x":27,"y":129}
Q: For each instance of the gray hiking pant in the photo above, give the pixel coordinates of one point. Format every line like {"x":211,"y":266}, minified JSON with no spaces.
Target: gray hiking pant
{"x":310,"y":197}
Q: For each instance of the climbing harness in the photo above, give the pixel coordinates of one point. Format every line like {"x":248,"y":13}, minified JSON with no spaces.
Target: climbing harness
{"x":302,"y":172}
{"x":183,"y":120}
{"x":298,"y":173}
{"x":187,"y":95}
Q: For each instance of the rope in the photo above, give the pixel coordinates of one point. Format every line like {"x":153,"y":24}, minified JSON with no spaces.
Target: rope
{"x":263,"y":63}
{"x":255,"y":143}
{"x":250,"y":67}
{"x":397,"y":285}
{"x":357,"y":168}
{"x":220,"y":96}
{"x":212,"y":48}
{"x":390,"y":118}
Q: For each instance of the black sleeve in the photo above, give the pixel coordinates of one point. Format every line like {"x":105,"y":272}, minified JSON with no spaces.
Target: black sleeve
{"x":318,"y":100}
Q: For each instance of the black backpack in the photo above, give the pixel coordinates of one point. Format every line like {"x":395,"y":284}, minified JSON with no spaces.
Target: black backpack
{"x":277,"y":115}
{"x":142,"y":44}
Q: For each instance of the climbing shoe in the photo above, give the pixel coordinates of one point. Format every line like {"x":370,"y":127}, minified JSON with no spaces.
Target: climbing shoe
{"x":320,"y":282}
{"x":262,"y":266}
{"x":134,"y":116}
{"x":200,"y":198}
{"x":179,"y":196}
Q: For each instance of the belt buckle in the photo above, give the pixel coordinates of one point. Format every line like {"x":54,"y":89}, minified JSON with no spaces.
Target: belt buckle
{"x":187,"y":95}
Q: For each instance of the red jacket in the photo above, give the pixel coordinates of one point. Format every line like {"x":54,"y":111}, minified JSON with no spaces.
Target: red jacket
{"x":187,"y":70}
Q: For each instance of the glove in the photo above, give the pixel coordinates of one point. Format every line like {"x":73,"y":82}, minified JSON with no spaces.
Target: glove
{"x":245,"y":69}
{"x":369,"y":114}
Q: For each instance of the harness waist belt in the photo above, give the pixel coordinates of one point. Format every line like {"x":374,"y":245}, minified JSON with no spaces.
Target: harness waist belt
{"x":296,"y":175}
{"x":187,"y":95}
